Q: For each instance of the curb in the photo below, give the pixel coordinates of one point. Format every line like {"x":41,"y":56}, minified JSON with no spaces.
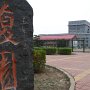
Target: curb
{"x":72,"y":80}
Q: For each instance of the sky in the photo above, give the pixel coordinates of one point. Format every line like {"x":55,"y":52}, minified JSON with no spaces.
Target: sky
{"x":52,"y":16}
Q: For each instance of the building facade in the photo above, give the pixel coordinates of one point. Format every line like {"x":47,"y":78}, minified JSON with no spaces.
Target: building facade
{"x":56,"y":40}
{"x":81,"y":29}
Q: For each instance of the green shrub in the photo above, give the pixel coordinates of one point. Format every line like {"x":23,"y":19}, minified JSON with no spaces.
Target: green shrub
{"x":39,"y":48}
{"x":39,"y":60}
{"x":50,"y":50}
{"x":54,"y":50}
{"x":64,"y":51}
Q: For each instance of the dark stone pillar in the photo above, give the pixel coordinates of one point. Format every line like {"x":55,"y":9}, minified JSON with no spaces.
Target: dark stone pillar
{"x":83,"y":45}
{"x":72,"y":45}
{"x":16,"y":45}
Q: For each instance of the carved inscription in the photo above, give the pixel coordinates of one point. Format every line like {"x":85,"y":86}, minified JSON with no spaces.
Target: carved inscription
{"x":6,"y":24}
{"x":7,"y":70}
{"x":8,"y":80}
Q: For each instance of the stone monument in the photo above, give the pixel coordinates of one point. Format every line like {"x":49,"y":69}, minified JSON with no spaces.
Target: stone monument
{"x":16,"y":37}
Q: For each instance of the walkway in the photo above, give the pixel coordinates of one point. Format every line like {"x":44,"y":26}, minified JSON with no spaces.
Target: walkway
{"x":78,"y":65}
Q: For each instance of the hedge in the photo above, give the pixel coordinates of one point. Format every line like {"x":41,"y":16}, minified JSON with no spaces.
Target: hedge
{"x":64,"y":51}
{"x":39,"y":60}
{"x":51,"y":51}
{"x":54,"y":50}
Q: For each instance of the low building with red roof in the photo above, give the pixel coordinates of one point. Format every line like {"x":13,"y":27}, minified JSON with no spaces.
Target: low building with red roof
{"x":57,"y":37}
{"x":57,"y":40}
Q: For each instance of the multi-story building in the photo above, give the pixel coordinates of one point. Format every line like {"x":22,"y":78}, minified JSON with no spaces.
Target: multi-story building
{"x":81,"y":29}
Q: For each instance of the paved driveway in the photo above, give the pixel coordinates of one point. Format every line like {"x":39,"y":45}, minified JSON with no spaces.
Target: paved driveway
{"x":78,"y":65}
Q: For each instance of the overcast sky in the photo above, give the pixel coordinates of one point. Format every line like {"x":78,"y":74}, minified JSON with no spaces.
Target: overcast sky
{"x":52,"y":16}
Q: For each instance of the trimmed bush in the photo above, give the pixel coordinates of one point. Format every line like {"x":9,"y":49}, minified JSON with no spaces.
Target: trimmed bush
{"x":51,"y":51}
{"x":64,"y":51}
{"x":39,"y":60}
{"x":39,"y":48}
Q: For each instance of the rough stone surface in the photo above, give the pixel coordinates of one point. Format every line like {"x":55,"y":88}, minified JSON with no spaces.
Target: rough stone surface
{"x":16,"y":49}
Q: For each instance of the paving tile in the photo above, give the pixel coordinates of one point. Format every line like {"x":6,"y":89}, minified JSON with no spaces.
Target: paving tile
{"x":77,"y":64}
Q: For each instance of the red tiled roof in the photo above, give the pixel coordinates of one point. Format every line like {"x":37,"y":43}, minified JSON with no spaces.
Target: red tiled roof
{"x":57,"y":37}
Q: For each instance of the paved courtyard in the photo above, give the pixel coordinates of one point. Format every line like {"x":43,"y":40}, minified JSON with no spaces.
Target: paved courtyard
{"x":78,"y":65}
